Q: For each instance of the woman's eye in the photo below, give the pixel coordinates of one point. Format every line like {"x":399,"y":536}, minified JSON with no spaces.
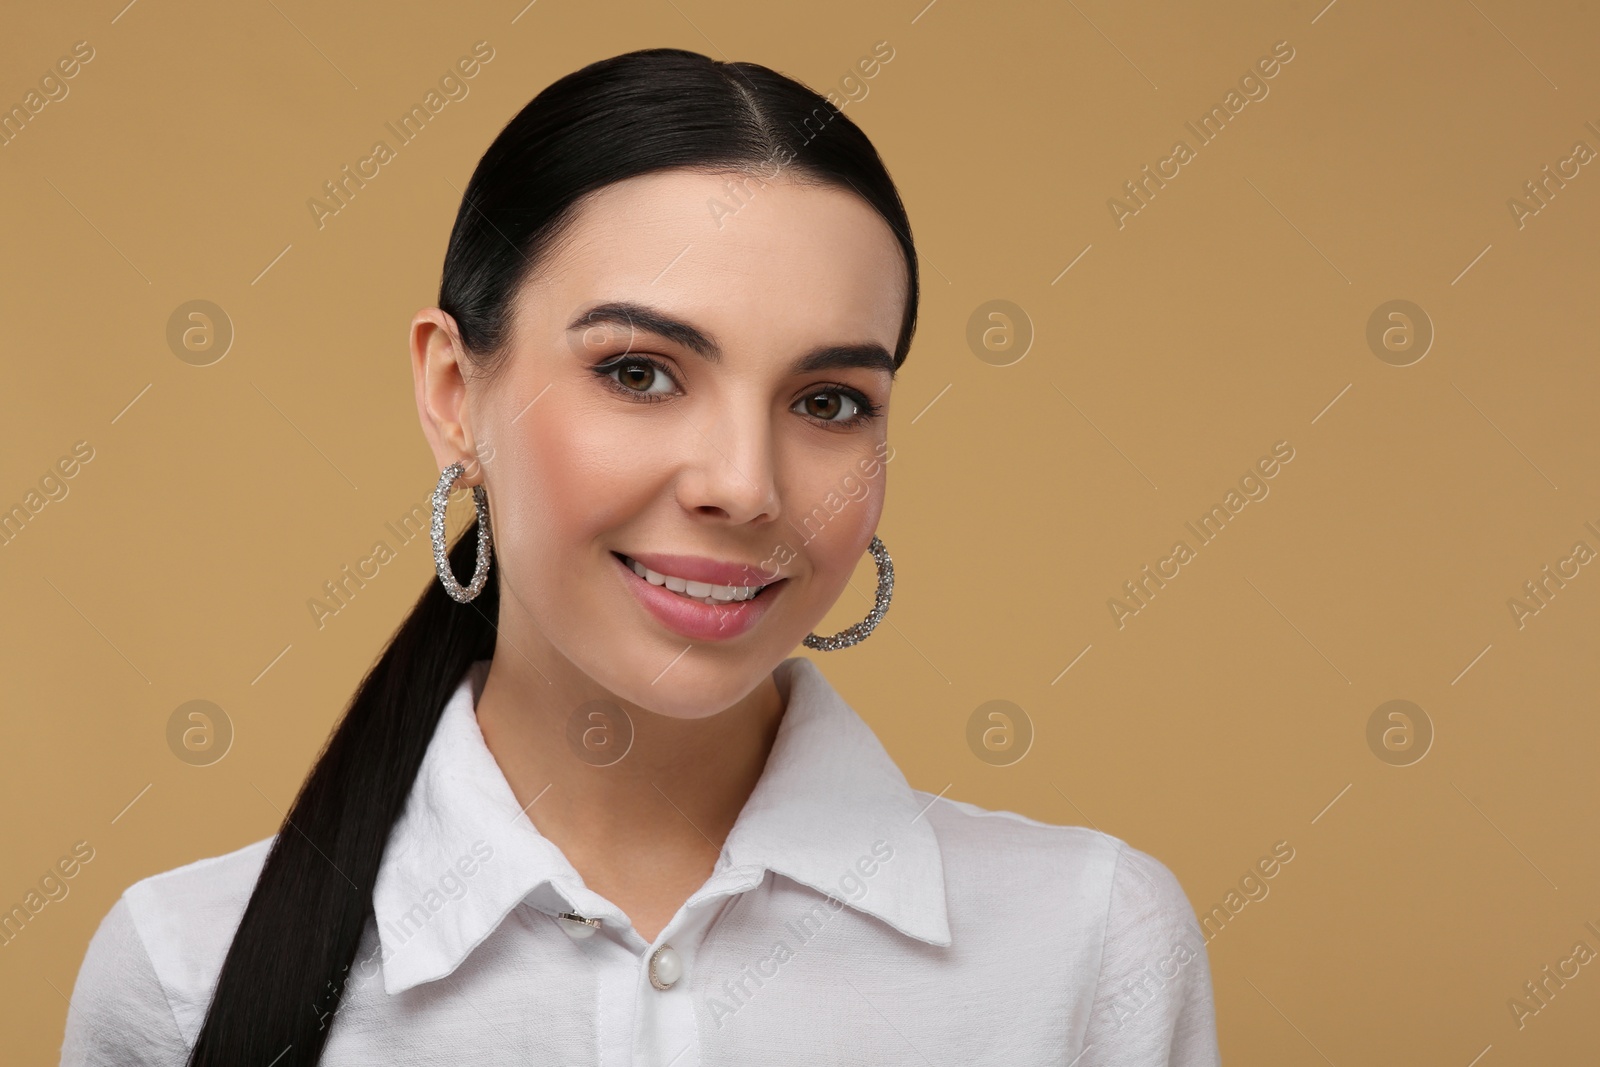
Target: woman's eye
{"x":638,"y":376}
{"x":827,"y":404}
{"x":642,"y":378}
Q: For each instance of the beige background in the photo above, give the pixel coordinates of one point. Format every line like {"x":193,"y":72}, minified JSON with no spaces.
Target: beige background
{"x":1228,"y":314}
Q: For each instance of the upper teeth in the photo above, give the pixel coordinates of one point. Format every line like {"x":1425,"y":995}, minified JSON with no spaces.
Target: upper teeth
{"x":725,"y":594}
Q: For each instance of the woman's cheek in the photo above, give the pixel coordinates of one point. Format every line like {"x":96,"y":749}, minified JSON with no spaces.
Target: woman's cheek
{"x":592,"y":468}
{"x":835,"y":519}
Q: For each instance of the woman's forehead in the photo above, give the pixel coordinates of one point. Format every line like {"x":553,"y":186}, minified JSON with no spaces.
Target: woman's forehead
{"x":741,"y":258}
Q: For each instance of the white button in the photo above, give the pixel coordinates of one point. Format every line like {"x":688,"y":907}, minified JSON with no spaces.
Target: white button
{"x":665,"y":967}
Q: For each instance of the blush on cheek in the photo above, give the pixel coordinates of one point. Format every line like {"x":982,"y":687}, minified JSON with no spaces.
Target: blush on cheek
{"x":833,"y":532}
{"x":585,"y":476}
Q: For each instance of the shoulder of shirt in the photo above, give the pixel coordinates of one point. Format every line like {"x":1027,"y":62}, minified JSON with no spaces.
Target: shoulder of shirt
{"x":1136,"y":890}
{"x":199,"y":893}
{"x":186,"y":918}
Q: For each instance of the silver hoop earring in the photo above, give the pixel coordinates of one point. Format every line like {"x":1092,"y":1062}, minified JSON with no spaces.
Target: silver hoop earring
{"x":441,"y":560}
{"x":858,"y":632}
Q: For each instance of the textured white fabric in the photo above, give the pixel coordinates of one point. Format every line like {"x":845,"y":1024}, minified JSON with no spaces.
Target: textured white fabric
{"x":851,"y":919}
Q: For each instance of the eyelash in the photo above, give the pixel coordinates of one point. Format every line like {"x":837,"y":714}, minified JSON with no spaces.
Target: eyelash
{"x":866,"y":409}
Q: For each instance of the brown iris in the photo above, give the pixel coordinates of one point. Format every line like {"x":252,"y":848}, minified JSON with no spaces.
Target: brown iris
{"x":643,"y":369}
{"x":831,"y":401}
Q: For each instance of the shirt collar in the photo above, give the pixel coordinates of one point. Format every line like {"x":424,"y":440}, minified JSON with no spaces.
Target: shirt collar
{"x":830,"y":804}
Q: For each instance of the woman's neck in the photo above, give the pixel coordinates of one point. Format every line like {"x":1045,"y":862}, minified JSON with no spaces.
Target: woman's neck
{"x":645,"y":828}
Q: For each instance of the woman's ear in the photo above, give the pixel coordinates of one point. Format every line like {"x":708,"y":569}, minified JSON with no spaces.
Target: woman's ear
{"x":438,"y":374}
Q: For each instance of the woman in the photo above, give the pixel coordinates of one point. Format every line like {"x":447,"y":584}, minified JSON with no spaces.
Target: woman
{"x":583,"y":809}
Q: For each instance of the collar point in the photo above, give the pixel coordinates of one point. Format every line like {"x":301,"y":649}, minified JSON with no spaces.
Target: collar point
{"x":936,"y":933}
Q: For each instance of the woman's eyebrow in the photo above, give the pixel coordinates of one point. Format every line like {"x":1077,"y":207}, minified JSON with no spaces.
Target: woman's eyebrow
{"x":869,"y":355}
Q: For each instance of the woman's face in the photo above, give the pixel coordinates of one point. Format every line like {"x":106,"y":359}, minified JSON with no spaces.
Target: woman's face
{"x":698,"y":380}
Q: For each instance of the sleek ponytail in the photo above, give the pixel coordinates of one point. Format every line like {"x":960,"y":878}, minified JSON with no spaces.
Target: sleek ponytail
{"x":645,"y":111}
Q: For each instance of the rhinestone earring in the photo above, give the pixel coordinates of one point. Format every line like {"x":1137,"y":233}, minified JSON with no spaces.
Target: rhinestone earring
{"x":858,"y":632}
{"x":441,"y":559}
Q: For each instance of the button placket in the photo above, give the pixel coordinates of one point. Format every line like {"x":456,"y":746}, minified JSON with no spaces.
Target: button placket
{"x":667,"y":1035}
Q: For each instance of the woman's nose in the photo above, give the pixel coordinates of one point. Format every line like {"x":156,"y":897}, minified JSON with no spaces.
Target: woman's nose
{"x":731,"y":470}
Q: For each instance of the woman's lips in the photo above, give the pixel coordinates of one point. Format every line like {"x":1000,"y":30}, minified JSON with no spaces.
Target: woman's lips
{"x":694,"y":619}
{"x":701,"y":569}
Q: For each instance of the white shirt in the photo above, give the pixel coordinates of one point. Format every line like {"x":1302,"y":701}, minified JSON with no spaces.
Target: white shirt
{"x":852,"y":919}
